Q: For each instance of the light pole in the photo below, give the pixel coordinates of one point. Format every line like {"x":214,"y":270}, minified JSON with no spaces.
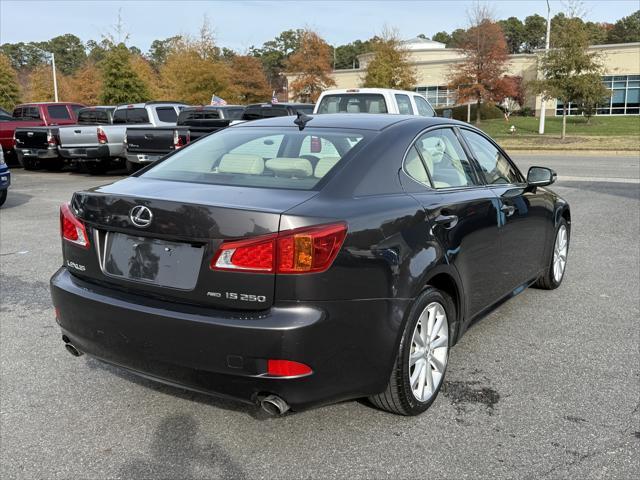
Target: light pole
{"x":542,"y":100}
{"x":55,"y":80}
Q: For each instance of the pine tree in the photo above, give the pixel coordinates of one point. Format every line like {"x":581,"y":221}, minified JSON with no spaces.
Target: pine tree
{"x":120,"y":83}
{"x":9,"y":89}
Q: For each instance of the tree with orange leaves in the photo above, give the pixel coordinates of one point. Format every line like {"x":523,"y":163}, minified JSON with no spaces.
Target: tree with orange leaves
{"x":481,"y":76}
{"x":311,"y":63}
{"x":250,"y":84}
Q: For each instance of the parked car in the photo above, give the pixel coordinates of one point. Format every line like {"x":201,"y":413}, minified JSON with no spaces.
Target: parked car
{"x":5,"y":179}
{"x":97,"y":146}
{"x":33,"y":115}
{"x":257,"y":111}
{"x":373,"y":100}
{"x":297,"y":262}
{"x":145,"y":145}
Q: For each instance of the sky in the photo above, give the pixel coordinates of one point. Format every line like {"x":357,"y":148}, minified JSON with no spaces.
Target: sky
{"x":241,"y":24}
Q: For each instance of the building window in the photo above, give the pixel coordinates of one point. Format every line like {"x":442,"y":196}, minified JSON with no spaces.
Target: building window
{"x":438,"y":96}
{"x":625,"y":97}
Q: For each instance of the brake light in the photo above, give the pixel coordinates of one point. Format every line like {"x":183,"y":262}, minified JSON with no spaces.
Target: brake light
{"x":71,"y":228}
{"x":51,"y":139}
{"x":287,"y":368}
{"x":102,"y":137}
{"x":305,"y":250}
{"x":180,"y":141}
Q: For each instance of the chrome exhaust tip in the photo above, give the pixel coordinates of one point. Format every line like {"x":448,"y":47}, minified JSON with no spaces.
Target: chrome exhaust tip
{"x":274,"y":405}
{"x":72,"y":350}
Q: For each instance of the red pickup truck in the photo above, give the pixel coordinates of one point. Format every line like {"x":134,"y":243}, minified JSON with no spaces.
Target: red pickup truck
{"x":35,"y":115}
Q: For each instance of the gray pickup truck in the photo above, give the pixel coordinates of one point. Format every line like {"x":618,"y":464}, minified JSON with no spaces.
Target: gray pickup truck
{"x":97,"y":146}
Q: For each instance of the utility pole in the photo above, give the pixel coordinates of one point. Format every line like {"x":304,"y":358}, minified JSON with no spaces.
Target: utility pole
{"x":55,"y":80}
{"x":542,"y":101}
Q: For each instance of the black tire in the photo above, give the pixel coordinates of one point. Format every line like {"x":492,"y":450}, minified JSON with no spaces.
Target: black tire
{"x":398,"y":397}
{"x":3,"y":196}
{"x":548,"y":281}
{"x":132,"y":167}
{"x":54,"y":164}
{"x":30,"y":163}
{"x":96,"y":168}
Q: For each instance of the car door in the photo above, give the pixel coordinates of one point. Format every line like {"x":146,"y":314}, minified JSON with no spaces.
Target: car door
{"x":462,"y":211}
{"x":524,"y":213}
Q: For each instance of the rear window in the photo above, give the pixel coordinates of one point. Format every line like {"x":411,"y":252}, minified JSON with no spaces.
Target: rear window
{"x":167,"y":114}
{"x":59,"y":112}
{"x":234,"y":113}
{"x":260,"y":157}
{"x":198,"y":115}
{"x":353,"y":103}
{"x":26,"y":113}
{"x":131,"y":115}
{"x":93,"y":117}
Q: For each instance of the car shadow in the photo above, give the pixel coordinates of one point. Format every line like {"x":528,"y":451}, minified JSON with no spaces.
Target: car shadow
{"x":235,"y":406}
{"x":15,"y":199}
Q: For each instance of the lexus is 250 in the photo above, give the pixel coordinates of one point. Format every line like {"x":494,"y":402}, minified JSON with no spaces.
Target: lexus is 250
{"x":292,"y":262}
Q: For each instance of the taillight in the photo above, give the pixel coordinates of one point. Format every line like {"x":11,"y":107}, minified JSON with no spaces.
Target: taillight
{"x":180,"y":141}
{"x":305,"y":250}
{"x":102,"y":137}
{"x":287,"y":368}
{"x":51,"y":139}
{"x":71,"y":228}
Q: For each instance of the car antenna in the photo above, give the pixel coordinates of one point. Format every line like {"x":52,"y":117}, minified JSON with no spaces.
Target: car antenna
{"x":302,"y":119}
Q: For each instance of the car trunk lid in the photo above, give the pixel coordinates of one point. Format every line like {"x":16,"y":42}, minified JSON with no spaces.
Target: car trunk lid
{"x":171,"y":255}
{"x":36,"y":138}
{"x":78,"y":136}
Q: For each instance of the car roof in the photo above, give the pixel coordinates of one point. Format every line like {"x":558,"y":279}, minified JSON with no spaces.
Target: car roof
{"x":32,"y":104}
{"x":280,"y":104}
{"x":356,"y":121}
{"x":210,"y":107}
{"x":355,"y":91}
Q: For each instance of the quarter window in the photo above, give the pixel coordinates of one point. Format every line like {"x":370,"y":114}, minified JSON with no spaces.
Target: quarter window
{"x":495,"y":168}
{"x":423,"y":107}
{"x":445,"y":159}
{"x":404,"y":104}
{"x":59,"y":112}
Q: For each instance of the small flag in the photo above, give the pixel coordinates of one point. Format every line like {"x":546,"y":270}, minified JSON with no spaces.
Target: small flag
{"x":217,"y":101}
{"x":274,"y":98}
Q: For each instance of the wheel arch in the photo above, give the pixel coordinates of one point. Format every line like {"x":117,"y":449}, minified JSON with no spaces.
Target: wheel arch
{"x":447,"y":281}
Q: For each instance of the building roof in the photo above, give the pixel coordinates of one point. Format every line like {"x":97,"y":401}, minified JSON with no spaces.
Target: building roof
{"x":419,"y":43}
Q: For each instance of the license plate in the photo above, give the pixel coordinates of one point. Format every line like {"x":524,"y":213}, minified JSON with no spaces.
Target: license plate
{"x":149,"y":260}
{"x":143,"y":158}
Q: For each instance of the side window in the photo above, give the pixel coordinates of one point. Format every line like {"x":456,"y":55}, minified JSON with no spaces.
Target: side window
{"x":423,"y":107}
{"x":265,"y":147}
{"x":59,"y":112}
{"x":167,"y":114}
{"x":404,"y":104}
{"x":75,"y":108}
{"x":445,"y":159}
{"x":415,"y":168}
{"x":17,"y":112}
{"x":493,"y":165}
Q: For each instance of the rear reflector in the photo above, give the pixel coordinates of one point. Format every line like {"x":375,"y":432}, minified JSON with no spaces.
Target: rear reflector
{"x":287,"y":368}
{"x":72,"y":229}
{"x":305,"y":250}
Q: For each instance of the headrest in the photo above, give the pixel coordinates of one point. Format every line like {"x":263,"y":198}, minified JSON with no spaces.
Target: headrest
{"x":290,"y":167}
{"x":324,"y":165}
{"x":241,"y":163}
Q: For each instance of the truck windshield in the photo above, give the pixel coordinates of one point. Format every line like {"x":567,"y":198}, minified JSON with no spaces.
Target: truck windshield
{"x":260,"y":157}
{"x":353,"y":103}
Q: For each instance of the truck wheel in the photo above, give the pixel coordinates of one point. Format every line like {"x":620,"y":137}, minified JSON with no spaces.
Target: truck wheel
{"x":3,"y":196}
{"x":132,"y":167}
{"x":54,"y":165}
{"x":30,"y":163}
{"x":96,"y":168}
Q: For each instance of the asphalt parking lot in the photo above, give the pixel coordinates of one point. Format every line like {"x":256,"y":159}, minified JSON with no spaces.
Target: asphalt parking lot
{"x":547,"y":386}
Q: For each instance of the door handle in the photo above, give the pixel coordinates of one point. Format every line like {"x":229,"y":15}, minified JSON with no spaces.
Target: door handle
{"x":447,"y":221}
{"x":508,"y":209}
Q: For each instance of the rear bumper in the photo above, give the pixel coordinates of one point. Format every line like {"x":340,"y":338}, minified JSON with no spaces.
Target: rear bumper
{"x":39,"y":153}
{"x":350,"y":345}
{"x":86,"y":153}
{"x":144,"y":158}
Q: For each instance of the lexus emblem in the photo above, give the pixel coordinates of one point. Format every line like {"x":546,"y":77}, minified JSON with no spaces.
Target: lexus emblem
{"x":140,"y":216}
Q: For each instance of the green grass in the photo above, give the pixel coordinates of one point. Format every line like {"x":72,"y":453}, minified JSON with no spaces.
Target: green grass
{"x":576,"y":126}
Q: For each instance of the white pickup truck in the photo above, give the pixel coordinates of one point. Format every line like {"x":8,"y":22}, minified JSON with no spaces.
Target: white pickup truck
{"x":96,"y":145}
{"x":373,"y":100}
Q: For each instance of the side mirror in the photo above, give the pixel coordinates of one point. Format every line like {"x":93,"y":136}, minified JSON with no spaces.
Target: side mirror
{"x":448,"y":113}
{"x":540,"y":176}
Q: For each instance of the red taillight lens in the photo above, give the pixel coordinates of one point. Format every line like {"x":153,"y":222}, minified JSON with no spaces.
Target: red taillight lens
{"x":180,"y":141}
{"x":102,"y":137}
{"x":305,"y":250}
{"x":71,"y":228}
{"x":52,"y":139}
{"x":287,"y":368}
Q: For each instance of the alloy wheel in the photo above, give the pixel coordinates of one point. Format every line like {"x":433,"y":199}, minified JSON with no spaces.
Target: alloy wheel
{"x":560,"y":253}
{"x":429,"y":352}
